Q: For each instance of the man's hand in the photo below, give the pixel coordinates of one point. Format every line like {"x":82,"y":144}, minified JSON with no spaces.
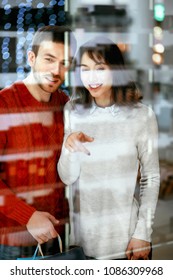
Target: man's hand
{"x":74,"y":142}
{"x":41,"y":226}
{"x":138,"y":249}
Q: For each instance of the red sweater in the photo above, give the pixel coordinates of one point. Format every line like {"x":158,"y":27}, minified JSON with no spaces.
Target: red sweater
{"x":31,"y":135}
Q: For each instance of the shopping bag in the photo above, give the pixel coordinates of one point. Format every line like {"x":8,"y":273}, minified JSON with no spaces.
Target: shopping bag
{"x":75,"y":253}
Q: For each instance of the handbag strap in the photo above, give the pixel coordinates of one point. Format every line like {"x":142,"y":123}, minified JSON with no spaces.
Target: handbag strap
{"x":39,"y":249}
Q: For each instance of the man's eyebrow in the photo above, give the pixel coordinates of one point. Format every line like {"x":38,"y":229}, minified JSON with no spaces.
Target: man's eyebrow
{"x":50,"y":55}
{"x":64,"y":59}
{"x":83,"y":65}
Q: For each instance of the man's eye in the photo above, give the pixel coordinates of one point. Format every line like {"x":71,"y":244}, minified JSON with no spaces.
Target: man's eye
{"x":100,"y":69}
{"x":49,"y":59}
{"x":65,"y":63}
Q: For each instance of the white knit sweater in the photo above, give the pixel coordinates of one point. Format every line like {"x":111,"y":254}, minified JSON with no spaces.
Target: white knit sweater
{"x":104,"y":213}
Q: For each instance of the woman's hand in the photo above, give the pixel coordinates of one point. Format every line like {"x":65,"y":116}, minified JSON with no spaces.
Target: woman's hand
{"x":138,"y":249}
{"x":74,"y":142}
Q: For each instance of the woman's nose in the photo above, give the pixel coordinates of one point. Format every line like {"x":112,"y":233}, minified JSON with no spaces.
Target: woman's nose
{"x":93,"y":77}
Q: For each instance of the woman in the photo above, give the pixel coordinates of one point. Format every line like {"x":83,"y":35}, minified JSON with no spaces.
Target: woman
{"x":107,"y":121}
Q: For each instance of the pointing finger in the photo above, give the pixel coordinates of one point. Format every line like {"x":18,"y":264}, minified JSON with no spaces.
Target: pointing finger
{"x":84,"y":138}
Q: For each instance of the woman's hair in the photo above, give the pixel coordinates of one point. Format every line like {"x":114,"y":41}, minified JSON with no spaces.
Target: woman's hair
{"x":124,"y":90}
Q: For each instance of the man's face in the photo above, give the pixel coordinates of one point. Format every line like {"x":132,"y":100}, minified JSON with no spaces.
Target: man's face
{"x":49,"y":66}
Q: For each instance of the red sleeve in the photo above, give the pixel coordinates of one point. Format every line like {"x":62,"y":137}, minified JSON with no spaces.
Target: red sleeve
{"x":13,"y":207}
{"x":10,"y":205}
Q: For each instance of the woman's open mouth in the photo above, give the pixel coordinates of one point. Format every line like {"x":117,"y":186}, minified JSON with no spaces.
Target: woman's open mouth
{"x":94,"y":86}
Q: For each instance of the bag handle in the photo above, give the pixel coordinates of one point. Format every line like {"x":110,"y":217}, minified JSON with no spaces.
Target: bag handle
{"x":39,"y":249}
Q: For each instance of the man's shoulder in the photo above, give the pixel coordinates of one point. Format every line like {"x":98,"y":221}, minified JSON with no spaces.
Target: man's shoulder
{"x":9,"y":95}
{"x":7,"y":91}
{"x":6,"y":95}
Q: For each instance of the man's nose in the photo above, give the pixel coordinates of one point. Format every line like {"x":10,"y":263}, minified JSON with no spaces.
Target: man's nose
{"x":56,"y":67}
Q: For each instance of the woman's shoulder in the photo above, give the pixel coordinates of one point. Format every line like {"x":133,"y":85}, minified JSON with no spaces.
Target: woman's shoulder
{"x":143,"y":109}
{"x":139,"y":112}
{"x":75,"y":108}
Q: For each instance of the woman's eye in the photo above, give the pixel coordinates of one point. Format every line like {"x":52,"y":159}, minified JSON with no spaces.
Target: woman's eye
{"x":100,"y":69}
{"x":84,"y":69}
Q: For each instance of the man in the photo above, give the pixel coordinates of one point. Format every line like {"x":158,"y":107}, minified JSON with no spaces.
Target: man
{"x":32,"y":198}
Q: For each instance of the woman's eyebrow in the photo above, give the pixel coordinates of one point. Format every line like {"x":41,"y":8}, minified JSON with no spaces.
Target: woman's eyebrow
{"x":96,"y":63}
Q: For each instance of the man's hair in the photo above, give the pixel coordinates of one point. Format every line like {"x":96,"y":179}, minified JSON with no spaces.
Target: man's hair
{"x":56,"y":34}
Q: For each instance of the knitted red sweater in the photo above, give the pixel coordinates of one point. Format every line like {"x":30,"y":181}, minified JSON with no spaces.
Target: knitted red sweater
{"x":31,"y":135}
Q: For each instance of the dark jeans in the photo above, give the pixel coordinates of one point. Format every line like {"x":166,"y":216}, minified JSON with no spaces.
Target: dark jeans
{"x":14,"y":252}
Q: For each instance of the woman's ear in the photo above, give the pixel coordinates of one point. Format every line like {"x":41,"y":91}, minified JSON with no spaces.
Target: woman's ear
{"x":31,"y":58}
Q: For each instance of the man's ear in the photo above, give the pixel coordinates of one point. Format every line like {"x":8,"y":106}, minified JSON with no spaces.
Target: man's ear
{"x":31,"y":58}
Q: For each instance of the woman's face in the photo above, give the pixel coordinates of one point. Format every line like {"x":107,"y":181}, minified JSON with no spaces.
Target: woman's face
{"x":97,"y":78}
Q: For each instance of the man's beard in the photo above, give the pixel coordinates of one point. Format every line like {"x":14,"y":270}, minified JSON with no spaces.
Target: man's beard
{"x":42,"y":80}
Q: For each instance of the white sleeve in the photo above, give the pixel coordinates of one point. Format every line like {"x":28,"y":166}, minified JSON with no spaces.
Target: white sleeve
{"x":69,"y":163}
{"x":150,"y":176}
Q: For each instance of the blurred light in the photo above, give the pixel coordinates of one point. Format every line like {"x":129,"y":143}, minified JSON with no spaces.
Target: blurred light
{"x":53,"y":2}
{"x":158,"y":32}
{"x":28,"y":7}
{"x":6,"y":40}
{"x":5,"y":66}
{"x":159,"y":12}
{"x":61,"y":13}
{"x":52,"y":16}
{"x":20,"y":26}
{"x":40,"y":5}
{"x":21,"y":41}
{"x":7,"y":12}
{"x":4,"y":2}
{"x":20,"y":20}
{"x":22,"y":5}
{"x":7,"y":26}
{"x":61,"y":16}
{"x":157,"y":58}
{"x":61,"y":3}
{"x":7,"y":7}
{"x":52,"y":21}
{"x":20,"y":69}
{"x":159,"y":48}
{"x":29,"y":37}
{"x":22,"y":11}
{"x":5,"y":49}
{"x":6,"y":55}
{"x":20,"y":30}
{"x":41,"y":25}
{"x":31,"y":28}
{"x":28,"y":16}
